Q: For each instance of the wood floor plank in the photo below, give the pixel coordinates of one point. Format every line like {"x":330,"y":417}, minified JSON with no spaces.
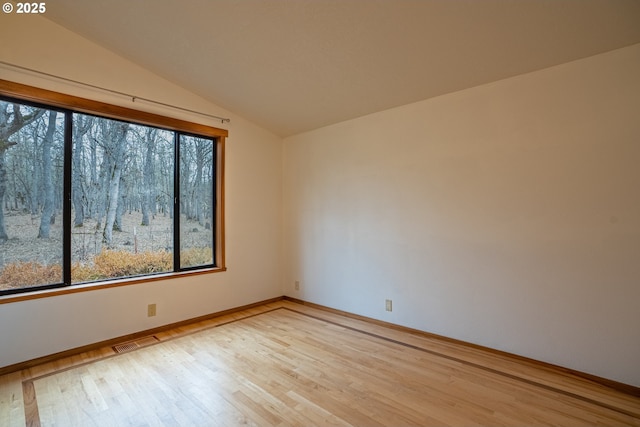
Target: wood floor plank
{"x":286,"y":364}
{"x":11,"y":400}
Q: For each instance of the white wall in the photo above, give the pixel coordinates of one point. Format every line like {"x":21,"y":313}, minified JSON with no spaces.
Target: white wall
{"x":40,"y":327}
{"x":506,"y":215}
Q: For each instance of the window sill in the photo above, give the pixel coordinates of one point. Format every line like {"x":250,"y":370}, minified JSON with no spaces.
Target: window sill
{"x":103,"y":285}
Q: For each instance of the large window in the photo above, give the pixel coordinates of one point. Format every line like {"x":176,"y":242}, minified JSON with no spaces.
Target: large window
{"x":143,"y":192}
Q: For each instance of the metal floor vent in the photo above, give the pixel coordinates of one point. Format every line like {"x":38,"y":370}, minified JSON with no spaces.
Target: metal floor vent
{"x":132,"y":345}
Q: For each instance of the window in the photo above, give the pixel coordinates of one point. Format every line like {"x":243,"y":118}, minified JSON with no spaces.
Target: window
{"x":144,"y":192}
{"x":31,"y":164}
{"x":196,"y":204}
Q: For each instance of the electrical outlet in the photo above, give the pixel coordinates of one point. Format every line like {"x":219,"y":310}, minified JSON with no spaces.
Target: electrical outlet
{"x":388,"y":305}
{"x":297,"y":285}
{"x":151,"y":310}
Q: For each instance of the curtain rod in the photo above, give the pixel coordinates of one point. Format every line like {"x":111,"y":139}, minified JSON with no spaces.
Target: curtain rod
{"x":133,"y":97}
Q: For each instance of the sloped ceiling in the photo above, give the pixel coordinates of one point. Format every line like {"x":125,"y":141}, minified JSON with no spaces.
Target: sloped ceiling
{"x":296,"y":65}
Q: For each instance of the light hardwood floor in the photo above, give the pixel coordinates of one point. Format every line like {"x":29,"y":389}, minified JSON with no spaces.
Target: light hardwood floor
{"x":288,"y":364}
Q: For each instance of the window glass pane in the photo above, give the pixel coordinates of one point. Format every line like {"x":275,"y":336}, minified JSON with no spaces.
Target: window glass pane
{"x":196,"y":201}
{"x":31,"y":196}
{"x":122,"y":199}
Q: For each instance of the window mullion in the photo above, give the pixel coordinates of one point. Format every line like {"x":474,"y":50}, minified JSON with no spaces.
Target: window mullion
{"x":66,"y":201}
{"x":176,"y":202}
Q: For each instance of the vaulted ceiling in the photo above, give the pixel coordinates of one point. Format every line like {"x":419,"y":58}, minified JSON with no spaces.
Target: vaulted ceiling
{"x":296,"y":65}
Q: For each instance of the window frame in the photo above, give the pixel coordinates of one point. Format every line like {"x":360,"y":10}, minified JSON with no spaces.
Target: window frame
{"x":69,"y":104}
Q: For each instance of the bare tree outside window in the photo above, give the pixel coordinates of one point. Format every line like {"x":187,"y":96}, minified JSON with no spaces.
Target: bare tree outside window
{"x":126,"y":228}
{"x":31,"y":159}
{"x":196,"y":201}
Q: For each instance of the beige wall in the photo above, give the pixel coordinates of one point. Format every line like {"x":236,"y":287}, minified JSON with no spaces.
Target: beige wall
{"x":253,"y":205}
{"x":506,"y":215}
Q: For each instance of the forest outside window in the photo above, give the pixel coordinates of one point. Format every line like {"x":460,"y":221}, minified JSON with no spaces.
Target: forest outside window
{"x":143,"y":199}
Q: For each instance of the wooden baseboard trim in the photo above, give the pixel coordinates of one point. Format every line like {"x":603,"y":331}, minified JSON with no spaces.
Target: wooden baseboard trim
{"x":615,"y":385}
{"x":130,"y":337}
